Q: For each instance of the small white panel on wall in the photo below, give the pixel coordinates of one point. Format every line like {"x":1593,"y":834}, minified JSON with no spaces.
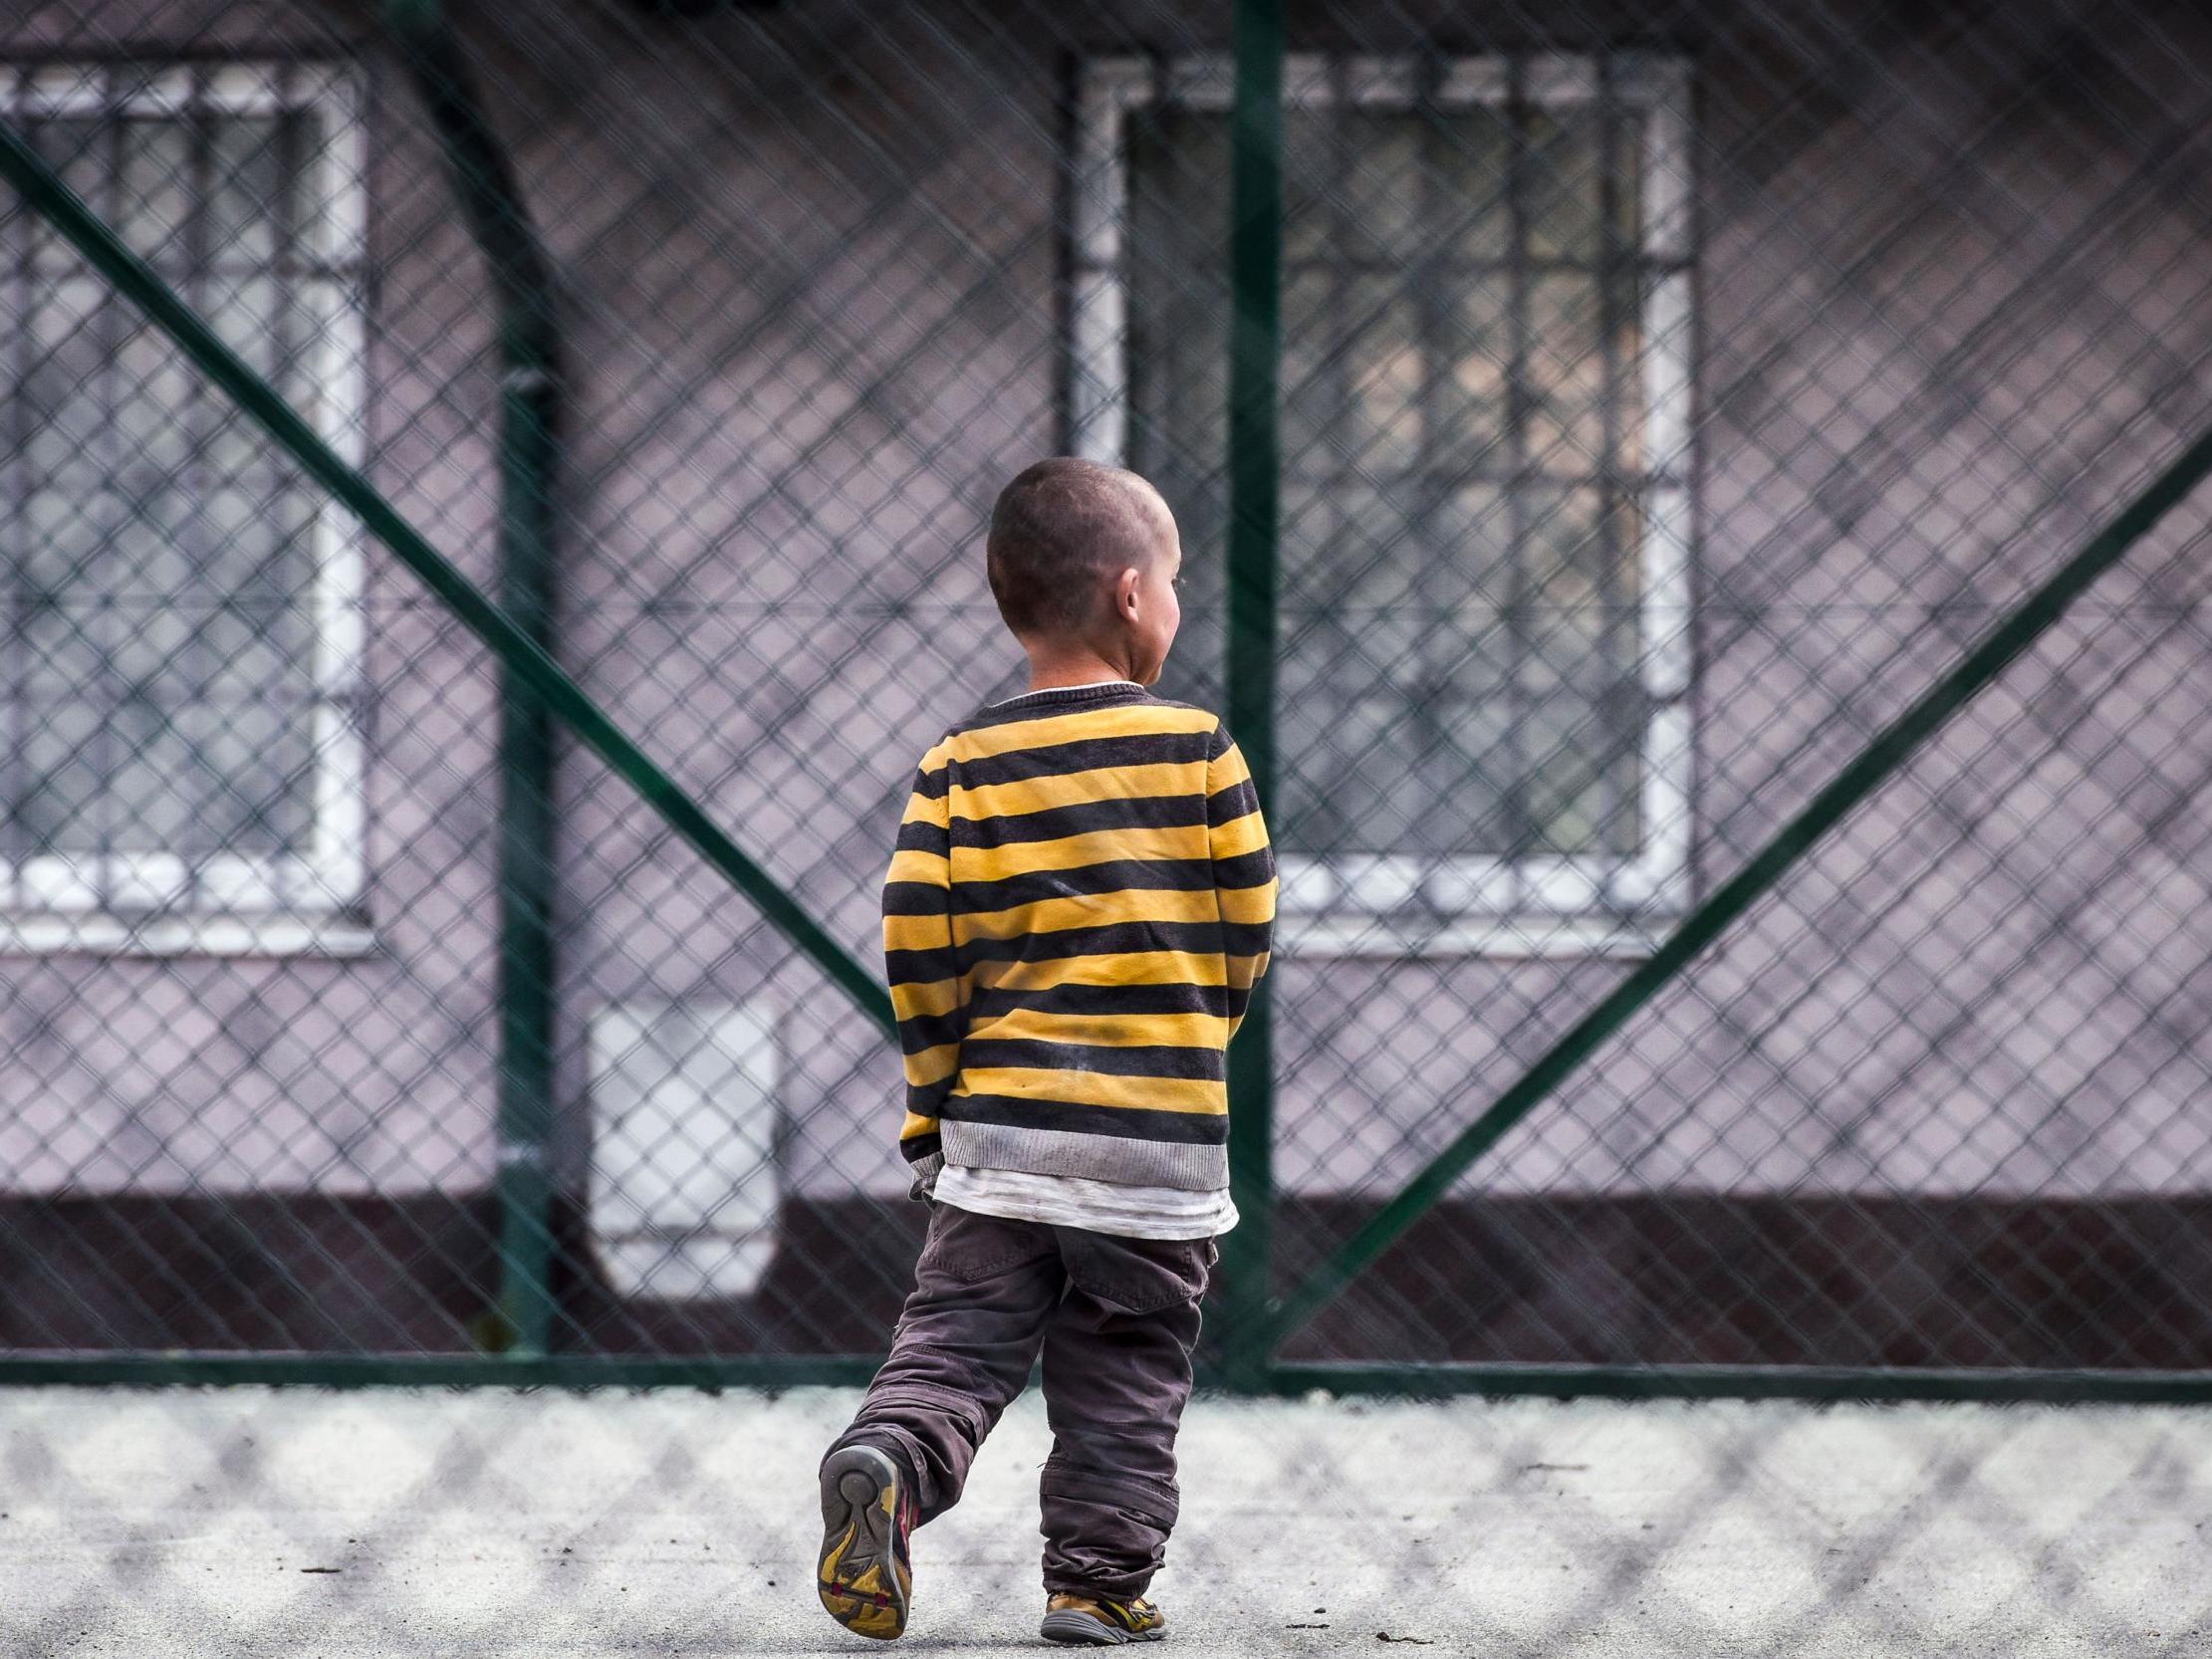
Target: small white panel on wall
{"x":685,"y":1182}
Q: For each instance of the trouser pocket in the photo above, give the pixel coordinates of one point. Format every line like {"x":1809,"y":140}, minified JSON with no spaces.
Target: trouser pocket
{"x":969,"y":1247}
{"x":1138,"y":1276}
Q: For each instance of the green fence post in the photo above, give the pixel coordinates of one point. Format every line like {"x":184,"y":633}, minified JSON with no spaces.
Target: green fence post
{"x":529,"y":467}
{"x":1885,"y":754}
{"x":1255,"y":350}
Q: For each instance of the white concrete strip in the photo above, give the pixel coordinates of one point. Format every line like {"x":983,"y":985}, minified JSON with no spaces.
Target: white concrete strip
{"x":470,"y":1526}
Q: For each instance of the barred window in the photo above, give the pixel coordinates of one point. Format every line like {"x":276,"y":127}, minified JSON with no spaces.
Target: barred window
{"x":1485,"y":385}
{"x":180,"y":765}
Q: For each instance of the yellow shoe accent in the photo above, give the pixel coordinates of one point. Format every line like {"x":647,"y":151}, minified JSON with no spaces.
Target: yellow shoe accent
{"x":864,"y":1579}
{"x":1088,"y":1621}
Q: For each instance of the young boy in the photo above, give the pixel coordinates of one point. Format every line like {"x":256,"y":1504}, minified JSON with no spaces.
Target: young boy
{"x":1081,"y":901}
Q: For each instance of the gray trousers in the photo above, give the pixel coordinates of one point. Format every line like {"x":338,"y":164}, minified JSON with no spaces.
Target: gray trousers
{"x":1116,"y":1319}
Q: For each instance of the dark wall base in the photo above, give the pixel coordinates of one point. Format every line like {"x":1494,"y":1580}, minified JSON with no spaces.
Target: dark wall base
{"x":1709,"y":1279}
{"x":1665,"y":1281}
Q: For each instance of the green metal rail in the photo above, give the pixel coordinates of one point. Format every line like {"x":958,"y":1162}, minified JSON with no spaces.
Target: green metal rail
{"x":1750,"y":1382}
{"x":772,"y":1373}
{"x":510,"y":643}
{"x":1874,"y":765}
{"x":437,"y":1370}
{"x":1255,"y":468}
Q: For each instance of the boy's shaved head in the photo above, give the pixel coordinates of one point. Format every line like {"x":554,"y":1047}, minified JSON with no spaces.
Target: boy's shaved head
{"x":1059,"y":532}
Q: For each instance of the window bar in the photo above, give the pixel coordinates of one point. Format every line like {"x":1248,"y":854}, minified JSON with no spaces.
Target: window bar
{"x":322,"y":356}
{"x":290,"y":263}
{"x":1425,"y":594}
{"x":1141,"y":447}
{"x":109,"y":525}
{"x":1067,"y":186}
{"x":201,"y":663}
{"x":15,"y":847}
{"x":1520,"y":833}
{"x":1614,"y":702}
{"x":1097,"y":236}
{"x":1323,"y":490}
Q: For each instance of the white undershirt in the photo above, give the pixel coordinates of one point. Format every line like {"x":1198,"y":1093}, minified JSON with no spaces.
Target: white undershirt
{"x":1070,"y":1200}
{"x":1095,"y":1206}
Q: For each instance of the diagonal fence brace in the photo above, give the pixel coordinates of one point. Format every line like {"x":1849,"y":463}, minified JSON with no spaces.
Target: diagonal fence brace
{"x":1874,"y":765}
{"x":45,"y":194}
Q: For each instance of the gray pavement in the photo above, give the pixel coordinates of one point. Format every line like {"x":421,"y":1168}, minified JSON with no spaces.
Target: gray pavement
{"x":480,"y":1524}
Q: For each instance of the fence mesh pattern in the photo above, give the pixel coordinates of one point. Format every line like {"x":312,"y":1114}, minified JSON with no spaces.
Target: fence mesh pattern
{"x":1664,"y":403}
{"x":1668,"y":397}
{"x":1661,"y":410}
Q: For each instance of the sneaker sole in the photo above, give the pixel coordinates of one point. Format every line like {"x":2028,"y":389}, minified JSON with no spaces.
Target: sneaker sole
{"x":861,"y":1582}
{"x":1082,"y":1630}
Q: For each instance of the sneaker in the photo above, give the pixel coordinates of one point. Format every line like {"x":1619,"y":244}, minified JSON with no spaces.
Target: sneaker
{"x":866,"y":1575}
{"x":1080,"y":1620}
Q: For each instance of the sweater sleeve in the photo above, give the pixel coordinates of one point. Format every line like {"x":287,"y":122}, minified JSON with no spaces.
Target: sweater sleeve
{"x":929,"y":994}
{"x":1243,"y":871}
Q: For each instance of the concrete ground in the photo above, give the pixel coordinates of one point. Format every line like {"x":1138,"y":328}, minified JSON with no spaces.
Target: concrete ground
{"x":466,"y":1525}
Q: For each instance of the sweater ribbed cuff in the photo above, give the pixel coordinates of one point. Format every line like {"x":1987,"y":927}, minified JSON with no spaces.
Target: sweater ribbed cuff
{"x":1136,"y":1163}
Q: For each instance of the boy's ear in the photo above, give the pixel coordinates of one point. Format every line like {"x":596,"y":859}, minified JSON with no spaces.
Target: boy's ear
{"x":1124,"y":590}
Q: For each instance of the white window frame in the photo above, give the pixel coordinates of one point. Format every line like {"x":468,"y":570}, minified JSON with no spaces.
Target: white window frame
{"x":1552,"y":906}
{"x":159,"y":904}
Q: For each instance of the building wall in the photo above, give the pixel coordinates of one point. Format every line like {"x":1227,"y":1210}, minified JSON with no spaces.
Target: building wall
{"x":1951,"y":311}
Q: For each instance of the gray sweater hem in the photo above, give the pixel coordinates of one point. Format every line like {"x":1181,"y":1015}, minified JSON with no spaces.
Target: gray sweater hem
{"x":1135,"y":1163}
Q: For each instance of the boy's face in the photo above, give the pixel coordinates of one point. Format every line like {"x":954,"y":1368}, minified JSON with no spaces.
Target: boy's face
{"x":1159,"y":605}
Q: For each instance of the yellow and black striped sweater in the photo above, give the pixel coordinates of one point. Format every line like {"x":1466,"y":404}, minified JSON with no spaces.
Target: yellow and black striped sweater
{"x":1081,"y":902}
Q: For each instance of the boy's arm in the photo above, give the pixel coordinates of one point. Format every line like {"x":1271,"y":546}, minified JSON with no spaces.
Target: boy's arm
{"x":927,"y":994}
{"x":1243,"y":871}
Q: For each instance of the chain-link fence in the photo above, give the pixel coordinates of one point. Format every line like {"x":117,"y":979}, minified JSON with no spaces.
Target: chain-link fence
{"x":1730,"y":705}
